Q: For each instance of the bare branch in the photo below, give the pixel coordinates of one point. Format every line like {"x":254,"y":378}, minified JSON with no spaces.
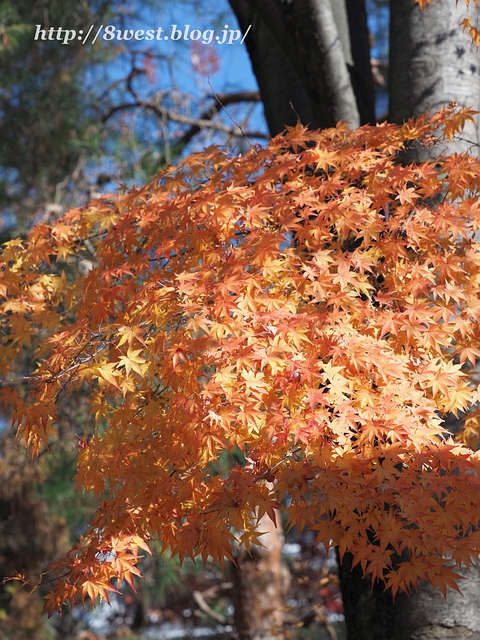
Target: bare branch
{"x":205,"y":121}
{"x":222,"y":100}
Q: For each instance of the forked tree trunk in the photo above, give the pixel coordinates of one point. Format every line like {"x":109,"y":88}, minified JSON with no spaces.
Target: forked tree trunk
{"x":311,"y":60}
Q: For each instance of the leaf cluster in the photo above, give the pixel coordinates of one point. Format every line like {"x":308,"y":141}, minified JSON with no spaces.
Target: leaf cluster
{"x":313,"y":305}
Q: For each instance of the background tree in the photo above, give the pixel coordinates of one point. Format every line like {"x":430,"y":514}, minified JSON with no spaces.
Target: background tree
{"x":47,"y":126}
{"x":77,"y":119}
{"x":432,"y":62}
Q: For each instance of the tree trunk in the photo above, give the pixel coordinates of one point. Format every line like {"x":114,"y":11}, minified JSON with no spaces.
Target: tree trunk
{"x":371,"y":614}
{"x":301,"y":54}
{"x":257,"y":587}
{"x":360,"y":67}
{"x":285,"y":101}
{"x":433,"y":62}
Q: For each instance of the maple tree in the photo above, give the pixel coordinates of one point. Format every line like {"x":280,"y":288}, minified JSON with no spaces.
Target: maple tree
{"x":312,"y":306}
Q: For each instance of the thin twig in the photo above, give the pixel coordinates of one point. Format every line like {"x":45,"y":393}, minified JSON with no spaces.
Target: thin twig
{"x":229,"y":114}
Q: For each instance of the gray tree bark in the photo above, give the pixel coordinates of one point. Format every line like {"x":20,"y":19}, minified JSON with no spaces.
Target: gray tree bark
{"x":433,"y":62}
{"x":371,"y":614}
{"x":307,"y":64}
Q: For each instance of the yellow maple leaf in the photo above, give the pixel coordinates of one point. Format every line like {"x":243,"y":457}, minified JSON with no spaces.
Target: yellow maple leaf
{"x":132,"y":361}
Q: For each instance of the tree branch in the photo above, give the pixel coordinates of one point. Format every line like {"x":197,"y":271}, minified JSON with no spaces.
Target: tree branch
{"x":196,"y":123}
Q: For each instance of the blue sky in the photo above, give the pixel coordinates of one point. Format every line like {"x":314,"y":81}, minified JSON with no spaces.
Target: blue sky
{"x":175,"y":74}
{"x":235,"y":71}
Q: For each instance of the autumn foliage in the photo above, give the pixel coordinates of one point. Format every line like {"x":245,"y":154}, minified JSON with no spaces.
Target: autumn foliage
{"x":311,"y":307}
